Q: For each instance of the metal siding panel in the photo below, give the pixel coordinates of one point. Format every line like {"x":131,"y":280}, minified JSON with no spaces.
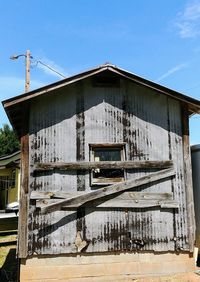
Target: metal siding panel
{"x":52,"y":138}
{"x":136,"y":109}
{"x":150,"y":125}
{"x":103,"y":119}
{"x":178,"y":184}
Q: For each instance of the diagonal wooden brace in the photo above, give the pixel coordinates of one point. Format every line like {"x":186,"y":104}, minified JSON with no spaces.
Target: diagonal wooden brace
{"x":109,"y":190}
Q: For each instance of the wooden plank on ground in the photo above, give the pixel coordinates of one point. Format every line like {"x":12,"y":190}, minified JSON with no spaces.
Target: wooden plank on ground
{"x":8,"y":224}
{"x":83,"y":165}
{"x":110,"y":190}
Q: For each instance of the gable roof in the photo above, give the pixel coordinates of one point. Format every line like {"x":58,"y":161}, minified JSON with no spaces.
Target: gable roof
{"x":13,"y":105}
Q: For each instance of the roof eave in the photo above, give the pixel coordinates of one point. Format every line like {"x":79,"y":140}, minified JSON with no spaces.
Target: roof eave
{"x":51,"y":87}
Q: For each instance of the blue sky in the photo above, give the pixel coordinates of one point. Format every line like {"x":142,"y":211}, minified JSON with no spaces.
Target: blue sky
{"x":158,"y":40}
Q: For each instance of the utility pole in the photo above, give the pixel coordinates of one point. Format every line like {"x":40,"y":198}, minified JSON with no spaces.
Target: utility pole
{"x":27,"y":80}
{"x":28,"y":57}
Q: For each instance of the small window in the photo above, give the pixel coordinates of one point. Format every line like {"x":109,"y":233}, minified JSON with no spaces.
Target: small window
{"x":108,"y":152}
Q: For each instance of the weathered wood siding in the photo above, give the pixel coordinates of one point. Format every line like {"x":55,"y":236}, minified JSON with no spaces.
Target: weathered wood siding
{"x":63,"y":124}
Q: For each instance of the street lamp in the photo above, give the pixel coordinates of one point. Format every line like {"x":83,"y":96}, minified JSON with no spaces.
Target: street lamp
{"x":27,"y":62}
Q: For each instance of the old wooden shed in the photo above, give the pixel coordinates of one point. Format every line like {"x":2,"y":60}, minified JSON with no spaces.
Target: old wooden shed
{"x":106,"y":177}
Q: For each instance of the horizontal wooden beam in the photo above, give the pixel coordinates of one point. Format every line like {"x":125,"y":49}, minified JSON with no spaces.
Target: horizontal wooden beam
{"x":35,"y":195}
{"x":109,"y":190}
{"x":103,"y":165}
{"x":124,"y":200}
{"x":115,"y":203}
{"x":39,"y":195}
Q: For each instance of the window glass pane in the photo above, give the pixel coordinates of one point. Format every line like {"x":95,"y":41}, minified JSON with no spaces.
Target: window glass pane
{"x":107,"y":154}
{"x":108,"y":173}
{"x":101,"y":176}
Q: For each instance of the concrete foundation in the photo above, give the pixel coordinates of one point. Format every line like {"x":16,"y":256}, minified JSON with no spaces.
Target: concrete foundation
{"x":105,"y":267}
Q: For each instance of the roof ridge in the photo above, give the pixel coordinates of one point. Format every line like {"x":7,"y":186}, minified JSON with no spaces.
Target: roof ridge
{"x":108,"y":64}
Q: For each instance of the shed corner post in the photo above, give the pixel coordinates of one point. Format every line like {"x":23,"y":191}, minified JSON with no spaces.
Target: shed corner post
{"x":188,"y":178}
{"x":22,"y":248}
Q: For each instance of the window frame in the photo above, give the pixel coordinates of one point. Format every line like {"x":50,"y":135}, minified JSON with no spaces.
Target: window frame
{"x":107,"y":181}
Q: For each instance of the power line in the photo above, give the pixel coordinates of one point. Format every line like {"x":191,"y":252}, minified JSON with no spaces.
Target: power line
{"x":38,"y":61}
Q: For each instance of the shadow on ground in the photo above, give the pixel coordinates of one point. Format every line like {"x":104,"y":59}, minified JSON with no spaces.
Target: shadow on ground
{"x":9,"y":270}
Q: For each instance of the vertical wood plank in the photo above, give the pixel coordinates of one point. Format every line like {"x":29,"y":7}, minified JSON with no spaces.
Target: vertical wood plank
{"x":80,"y":135}
{"x":80,"y":154}
{"x":24,"y":198}
{"x":188,"y":177}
